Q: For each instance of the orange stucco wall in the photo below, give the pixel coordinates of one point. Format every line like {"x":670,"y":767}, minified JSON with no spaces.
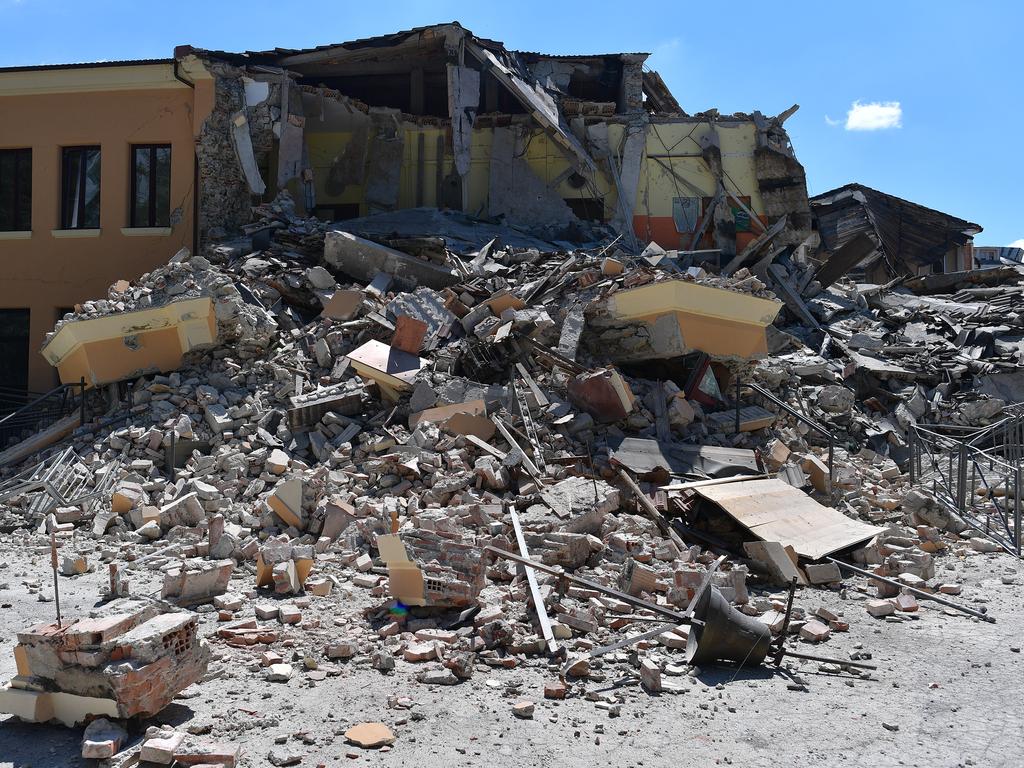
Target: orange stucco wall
{"x":44,"y":273}
{"x":662,"y":230}
{"x":111,"y":360}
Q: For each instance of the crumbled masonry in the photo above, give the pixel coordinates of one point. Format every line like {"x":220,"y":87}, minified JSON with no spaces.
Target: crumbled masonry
{"x":310,"y":496}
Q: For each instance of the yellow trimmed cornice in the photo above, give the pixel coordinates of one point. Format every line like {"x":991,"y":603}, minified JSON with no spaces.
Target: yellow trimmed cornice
{"x":132,"y":77}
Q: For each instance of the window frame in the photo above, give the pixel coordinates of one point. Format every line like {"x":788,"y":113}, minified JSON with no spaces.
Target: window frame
{"x":151,"y":217}
{"x":65,"y":214}
{"x":19,"y":154}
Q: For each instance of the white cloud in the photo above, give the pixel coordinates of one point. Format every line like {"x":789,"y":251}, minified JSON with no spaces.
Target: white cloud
{"x":830,"y":121}
{"x":1017,"y":243}
{"x":874,"y":116}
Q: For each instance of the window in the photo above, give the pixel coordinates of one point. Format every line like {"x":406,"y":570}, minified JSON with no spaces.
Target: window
{"x":14,"y":328}
{"x":586,"y":208}
{"x":15,"y":190}
{"x":80,"y":188}
{"x":151,"y":185}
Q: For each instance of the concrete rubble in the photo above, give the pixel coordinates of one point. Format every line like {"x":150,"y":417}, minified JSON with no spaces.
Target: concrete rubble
{"x":322,"y":498}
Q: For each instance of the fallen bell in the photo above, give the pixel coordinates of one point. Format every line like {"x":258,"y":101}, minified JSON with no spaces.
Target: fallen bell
{"x":719,"y":632}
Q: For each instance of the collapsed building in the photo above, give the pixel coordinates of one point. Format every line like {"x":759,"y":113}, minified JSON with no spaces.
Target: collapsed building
{"x":429,"y":118}
{"x":512,"y":358}
{"x":438,"y":117}
{"x":877,"y":236}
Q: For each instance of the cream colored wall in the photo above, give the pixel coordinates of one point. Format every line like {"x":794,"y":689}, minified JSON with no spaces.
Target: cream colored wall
{"x":652,"y":213}
{"x":45,"y":272}
{"x":543,"y":157}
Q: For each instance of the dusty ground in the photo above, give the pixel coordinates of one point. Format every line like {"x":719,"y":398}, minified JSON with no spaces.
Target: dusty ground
{"x":950,"y":685}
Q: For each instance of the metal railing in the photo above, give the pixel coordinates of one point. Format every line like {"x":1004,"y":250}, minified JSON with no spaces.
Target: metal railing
{"x":13,"y":398}
{"x":803,"y":419}
{"x":43,"y":412}
{"x":976,"y":473}
{"x":59,"y":480}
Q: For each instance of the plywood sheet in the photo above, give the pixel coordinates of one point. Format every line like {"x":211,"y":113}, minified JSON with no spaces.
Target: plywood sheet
{"x":775,"y":511}
{"x":386,"y":365}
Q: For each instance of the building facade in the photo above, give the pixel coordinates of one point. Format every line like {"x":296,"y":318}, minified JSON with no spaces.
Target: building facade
{"x":97,"y":183}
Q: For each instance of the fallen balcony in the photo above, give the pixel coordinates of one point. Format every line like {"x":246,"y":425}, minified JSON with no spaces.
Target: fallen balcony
{"x":125,"y":345}
{"x":671,"y":318}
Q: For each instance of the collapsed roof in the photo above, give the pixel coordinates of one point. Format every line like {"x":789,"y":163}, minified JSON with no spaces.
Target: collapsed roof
{"x":905,"y":237}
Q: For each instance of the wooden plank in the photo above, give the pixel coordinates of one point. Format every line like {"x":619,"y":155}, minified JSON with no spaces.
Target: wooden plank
{"x":754,"y":246}
{"x":791,"y":296}
{"x":539,"y":398}
{"x":709,"y":214}
{"x":531,"y":579}
{"x":52,"y":434}
{"x":531,"y":468}
{"x":775,"y":511}
{"x":652,"y":511}
{"x":484,"y":446}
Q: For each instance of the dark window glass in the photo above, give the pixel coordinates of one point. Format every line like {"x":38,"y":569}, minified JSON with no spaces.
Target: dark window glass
{"x":80,"y":188}
{"x":151,"y":186}
{"x":15,"y":190}
{"x":14,"y":327}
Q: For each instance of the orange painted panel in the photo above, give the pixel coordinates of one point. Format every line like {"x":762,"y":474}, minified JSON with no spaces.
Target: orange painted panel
{"x":107,"y":360}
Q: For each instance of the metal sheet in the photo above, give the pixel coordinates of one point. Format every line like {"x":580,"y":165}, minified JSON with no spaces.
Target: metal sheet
{"x":775,"y":511}
{"x":642,"y":456}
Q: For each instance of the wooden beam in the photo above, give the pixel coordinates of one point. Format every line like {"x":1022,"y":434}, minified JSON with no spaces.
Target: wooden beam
{"x":539,"y":397}
{"x":531,"y":579}
{"x":652,"y":511}
{"x":531,"y":468}
{"x":755,"y":245}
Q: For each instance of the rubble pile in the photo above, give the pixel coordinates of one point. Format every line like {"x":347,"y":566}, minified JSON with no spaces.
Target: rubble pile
{"x":328,"y":482}
{"x":129,"y":660}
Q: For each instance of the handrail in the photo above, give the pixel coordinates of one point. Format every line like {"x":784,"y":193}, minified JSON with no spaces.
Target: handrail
{"x":30,"y":414}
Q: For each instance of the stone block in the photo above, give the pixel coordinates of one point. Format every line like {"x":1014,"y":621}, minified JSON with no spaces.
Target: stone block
{"x":879,"y":608}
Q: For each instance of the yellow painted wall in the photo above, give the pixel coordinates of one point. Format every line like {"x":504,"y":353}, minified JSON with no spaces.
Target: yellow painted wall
{"x":677,"y":144}
{"x":44,"y":272}
{"x":544,"y":158}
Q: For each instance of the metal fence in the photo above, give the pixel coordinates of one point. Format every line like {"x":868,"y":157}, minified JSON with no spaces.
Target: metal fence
{"x":975,"y":472}
{"x":42,"y":412}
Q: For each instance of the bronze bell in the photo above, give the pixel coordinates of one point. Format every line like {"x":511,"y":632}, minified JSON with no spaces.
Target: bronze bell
{"x":721,"y":633}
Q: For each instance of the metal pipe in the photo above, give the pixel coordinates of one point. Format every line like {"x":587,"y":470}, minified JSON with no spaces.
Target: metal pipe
{"x":617,"y":594}
{"x":914,"y":591}
{"x":827,"y":660}
{"x":1016,"y":509}
{"x":56,"y":586}
{"x":737,"y":403}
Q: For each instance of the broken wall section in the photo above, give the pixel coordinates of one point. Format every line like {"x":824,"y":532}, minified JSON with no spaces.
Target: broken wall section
{"x":234,"y":148}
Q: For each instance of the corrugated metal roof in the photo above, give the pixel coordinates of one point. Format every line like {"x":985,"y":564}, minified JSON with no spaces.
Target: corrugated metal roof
{"x":541,"y":55}
{"x":87,"y":65}
{"x":397,"y":37}
{"x":362,"y":42}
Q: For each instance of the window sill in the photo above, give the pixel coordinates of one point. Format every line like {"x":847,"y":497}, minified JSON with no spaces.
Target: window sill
{"x":69,"y":233}
{"x":16,"y":235}
{"x":145,"y":231}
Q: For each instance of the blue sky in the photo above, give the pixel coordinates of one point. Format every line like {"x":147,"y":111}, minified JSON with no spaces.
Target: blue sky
{"x":923,"y":100}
